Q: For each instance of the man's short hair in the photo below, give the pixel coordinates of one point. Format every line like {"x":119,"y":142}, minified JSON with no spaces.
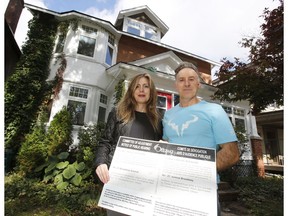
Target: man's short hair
{"x":186,"y":65}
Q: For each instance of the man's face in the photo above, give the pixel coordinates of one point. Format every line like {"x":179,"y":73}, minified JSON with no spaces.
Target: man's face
{"x":187,"y":83}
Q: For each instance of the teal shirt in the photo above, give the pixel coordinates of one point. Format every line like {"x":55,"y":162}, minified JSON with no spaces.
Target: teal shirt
{"x":203,"y":125}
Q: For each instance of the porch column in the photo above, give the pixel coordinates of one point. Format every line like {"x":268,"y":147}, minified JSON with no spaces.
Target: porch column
{"x":257,"y":154}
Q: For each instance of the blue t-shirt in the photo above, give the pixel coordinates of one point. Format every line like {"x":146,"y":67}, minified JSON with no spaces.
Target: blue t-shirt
{"x":203,"y":125}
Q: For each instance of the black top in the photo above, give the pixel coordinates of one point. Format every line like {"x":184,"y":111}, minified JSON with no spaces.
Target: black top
{"x":142,"y":128}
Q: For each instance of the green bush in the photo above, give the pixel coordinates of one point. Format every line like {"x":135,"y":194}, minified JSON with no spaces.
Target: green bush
{"x":25,"y":196}
{"x":33,"y":151}
{"x":59,"y":134}
{"x":88,"y":141}
{"x":264,"y":196}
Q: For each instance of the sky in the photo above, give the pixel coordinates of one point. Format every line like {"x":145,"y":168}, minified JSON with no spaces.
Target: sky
{"x":208,"y":28}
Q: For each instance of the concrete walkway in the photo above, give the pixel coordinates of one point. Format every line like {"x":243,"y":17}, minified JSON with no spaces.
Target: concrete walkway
{"x":234,"y":208}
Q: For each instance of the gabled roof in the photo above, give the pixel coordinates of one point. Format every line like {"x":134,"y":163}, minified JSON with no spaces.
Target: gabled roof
{"x":148,"y":12}
{"x":164,"y":62}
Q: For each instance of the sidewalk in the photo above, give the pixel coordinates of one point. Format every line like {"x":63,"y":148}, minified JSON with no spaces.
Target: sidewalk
{"x":234,"y":208}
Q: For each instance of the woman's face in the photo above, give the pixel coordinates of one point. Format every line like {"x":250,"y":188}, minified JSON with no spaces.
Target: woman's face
{"x":142,"y":91}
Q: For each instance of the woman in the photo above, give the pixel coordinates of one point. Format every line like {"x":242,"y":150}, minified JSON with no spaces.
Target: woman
{"x":135,"y":116}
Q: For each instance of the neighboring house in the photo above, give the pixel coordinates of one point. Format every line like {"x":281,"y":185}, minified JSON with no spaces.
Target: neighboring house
{"x":270,"y":128}
{"x":100,"y":54}
{"x":12,"y":51}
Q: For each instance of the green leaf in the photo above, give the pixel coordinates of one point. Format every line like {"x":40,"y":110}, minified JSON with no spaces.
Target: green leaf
{"x":58,"y":179}
{"x":86,"y":174}
{"x":76,"y":180}
{"x":62,"y":165}
{"x":62,"y":185}
{"x":50,"y":167}
{"x":69,"y":172}
{"x":47,"y":178}
{"x":63,"y":155}
{"x":56,"y":172}
{"x":80,"y":167}
{"x":41,"y":167}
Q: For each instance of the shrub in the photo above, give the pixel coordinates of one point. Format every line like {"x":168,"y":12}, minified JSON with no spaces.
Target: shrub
{"x":264,"y":196}
{"x":88,"y":141}
{"x":59,"y":134}
{"x":31,"y":197}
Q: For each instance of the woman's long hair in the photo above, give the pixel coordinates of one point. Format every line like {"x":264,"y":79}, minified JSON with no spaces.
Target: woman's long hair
{"x":127,"y":104}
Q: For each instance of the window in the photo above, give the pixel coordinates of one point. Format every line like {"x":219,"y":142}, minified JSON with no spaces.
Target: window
{"x":78,"y":92}
{"x":133,"y":30}
{"x":77,"y":104}
{"x":228,"y":110}
{"x":102,"y":108}
{"x":142,"y":29}
{"x":176,"y":99}
{"x":87,"y":41}
{"x":237,"y":116}
{"x":161,"y":104}
{"x":86,"y":46}
{"x":239,"y":112}
{"x":77,"y":110}
{"x":101,"y":114}
{"x":103,"y":99}
{"x":60,"y":43}
{"x":109,"y":52}
{"x":150,"y":33}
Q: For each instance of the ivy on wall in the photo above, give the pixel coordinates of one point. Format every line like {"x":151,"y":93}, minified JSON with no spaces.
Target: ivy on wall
{"x":63,"y":28}
{"x":119,"y":90}
{"x":27,"y":88}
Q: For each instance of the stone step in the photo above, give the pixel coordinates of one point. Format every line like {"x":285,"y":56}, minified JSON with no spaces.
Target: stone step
{"x":224,"y":186}
{"x":226,"y":192}
{"x":228,"y":195}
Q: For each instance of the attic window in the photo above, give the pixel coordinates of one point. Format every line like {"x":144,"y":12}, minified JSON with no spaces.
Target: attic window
{"x":142,"y":29}
{"x":150,"y":32}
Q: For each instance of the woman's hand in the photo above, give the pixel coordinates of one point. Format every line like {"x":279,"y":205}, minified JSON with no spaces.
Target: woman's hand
{"x":103,"y":173}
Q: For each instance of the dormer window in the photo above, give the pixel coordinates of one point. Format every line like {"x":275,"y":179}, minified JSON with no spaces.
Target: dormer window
{"x":141,"y":29}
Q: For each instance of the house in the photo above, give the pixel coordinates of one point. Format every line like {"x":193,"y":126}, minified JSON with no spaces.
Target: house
{"x":99,"y":55}
{"x":270,"y":128}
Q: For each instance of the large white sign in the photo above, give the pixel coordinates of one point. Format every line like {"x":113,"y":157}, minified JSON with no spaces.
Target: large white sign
{"x":161,"y":179}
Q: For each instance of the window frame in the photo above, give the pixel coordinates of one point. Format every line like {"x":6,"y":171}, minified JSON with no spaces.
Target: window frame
{"x":91,"y":33}
{"x":79,"y":99}
{"x":142,"y":28}
{"x":102,"y":105}
{"x":110,"y":45}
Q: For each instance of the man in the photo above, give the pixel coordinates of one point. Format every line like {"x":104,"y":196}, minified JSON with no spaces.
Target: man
{"x":198,"y":123}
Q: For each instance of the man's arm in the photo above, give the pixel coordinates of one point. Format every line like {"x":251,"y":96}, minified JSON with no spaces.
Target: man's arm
{"x":227,"y":156}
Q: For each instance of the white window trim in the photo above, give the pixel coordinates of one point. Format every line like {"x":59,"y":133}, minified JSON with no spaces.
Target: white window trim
{"x":82,"y":32}
{"x":79,"y":99}
{"x":113,"y":48}
{"x":141,"y":27}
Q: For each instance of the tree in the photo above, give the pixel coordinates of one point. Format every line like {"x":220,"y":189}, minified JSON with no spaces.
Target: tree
{"x":260,"y":80}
